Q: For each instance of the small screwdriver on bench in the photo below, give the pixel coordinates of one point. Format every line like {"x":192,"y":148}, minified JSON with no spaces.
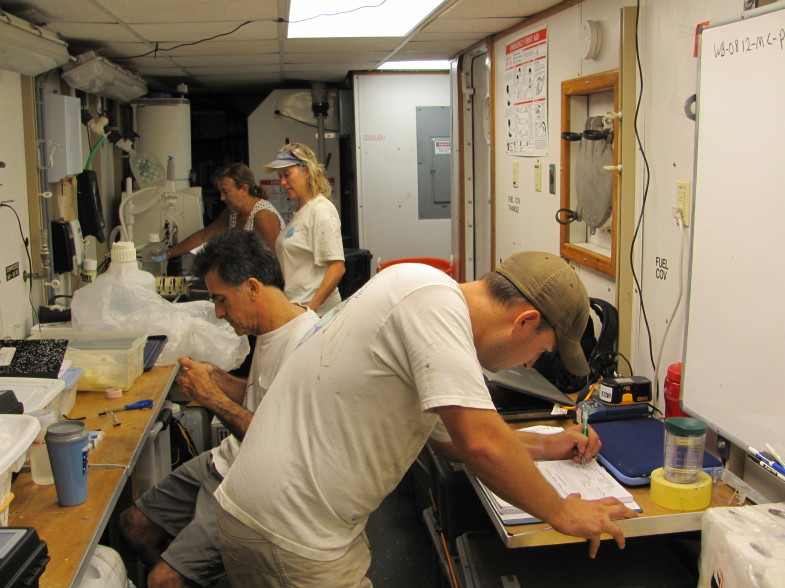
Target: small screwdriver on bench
{"x":135,"y":406}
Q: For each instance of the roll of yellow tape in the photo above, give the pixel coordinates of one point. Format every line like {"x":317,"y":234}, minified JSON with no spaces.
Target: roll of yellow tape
{"x":680,"y":496}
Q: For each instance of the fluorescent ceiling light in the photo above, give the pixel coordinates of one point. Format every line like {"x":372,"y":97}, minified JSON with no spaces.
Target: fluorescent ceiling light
{"x":437,"y":64}
{"x":97,"y":75}
{"x":28,"y":49}
{"x":313,"y":19}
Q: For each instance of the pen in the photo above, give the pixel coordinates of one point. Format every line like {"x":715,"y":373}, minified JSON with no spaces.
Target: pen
{"x":584,"y":430}
{"x":772,"y":464}
{"x":765,"y":465}
{"x":776,"y":454}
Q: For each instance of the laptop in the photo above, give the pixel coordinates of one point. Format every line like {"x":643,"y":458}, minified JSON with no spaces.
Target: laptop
{"x":525,"y":394}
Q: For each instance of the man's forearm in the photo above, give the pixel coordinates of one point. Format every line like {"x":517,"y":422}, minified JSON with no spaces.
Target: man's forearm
{"x":235,"y":417}
{"x":496,"y":455}
{"x":232,"y":386}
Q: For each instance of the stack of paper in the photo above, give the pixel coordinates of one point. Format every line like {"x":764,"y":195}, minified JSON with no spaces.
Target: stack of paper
{"x":592,"y":481}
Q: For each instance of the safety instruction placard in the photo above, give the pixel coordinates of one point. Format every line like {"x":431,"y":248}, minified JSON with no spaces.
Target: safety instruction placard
{"x":526,"y":94}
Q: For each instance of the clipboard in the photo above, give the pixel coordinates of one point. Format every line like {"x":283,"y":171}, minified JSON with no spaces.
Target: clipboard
{"x":632,"y":449}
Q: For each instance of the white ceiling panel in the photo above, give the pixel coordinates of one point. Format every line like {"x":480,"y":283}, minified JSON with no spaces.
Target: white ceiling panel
{"x":176,"y":11}
{"x":65,"y":10}
{"x":219,"y":60}
{"x":138,"y":33}
{"x":496,"y":8}
{"x":188,"y":32}
{"x":481,"y":26}
{"x":94,"y":32}
{"x":239,"y":70}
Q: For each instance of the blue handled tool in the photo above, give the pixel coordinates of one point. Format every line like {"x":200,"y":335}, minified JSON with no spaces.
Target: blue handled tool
{"x":135,"y":406}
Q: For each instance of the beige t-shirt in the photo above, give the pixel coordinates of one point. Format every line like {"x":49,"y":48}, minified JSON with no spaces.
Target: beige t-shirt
{"x":351,"y":408}
{"x":310,"y":240}
{"x":270,"y":352}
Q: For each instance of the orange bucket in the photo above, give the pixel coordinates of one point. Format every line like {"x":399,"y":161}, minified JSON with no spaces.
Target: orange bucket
{"x":441,"y":264}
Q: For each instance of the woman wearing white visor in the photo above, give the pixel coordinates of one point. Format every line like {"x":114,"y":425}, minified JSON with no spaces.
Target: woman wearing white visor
{"x":310,"y":247}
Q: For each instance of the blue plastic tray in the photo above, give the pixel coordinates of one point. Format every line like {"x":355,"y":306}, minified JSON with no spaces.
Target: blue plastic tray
{"x":152,"y":349}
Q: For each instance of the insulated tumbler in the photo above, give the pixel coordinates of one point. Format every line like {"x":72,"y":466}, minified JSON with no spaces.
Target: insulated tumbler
{"x":67,"y":444}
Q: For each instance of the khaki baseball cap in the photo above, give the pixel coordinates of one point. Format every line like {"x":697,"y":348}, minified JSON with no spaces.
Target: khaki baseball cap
{"x":554,"y":289}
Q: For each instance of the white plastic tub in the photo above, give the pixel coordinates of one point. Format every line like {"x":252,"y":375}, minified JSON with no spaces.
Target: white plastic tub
{"x":35,"y":393}
{"x":17,"y":433}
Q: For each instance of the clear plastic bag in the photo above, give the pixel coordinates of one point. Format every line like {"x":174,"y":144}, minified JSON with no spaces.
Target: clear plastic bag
{"x":191,"y":328}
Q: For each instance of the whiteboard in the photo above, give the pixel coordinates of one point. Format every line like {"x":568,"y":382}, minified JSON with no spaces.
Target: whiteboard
{"x":734,"y":352}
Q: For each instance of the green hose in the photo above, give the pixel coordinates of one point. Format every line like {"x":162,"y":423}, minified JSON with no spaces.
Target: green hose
{"x":93,"y":152}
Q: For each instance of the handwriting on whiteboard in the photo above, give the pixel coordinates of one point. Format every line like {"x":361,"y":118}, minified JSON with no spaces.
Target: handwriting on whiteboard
{"x":771,"y":40}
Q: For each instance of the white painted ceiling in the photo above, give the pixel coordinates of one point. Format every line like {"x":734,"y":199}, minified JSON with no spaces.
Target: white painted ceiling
{"x":169,"y":42}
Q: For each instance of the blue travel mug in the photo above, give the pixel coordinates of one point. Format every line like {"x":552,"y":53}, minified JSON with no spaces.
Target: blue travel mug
{"x":67,"y":444}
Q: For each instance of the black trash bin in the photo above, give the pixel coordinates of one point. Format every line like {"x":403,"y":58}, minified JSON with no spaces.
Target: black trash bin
{"x":358,"y":271}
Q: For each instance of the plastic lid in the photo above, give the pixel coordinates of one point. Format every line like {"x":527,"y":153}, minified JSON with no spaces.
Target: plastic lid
{"x":46,"y":417}
{"x":674,"y":372}
{"x":71,"y":376}
{"x":123,"y":251}
{"x":685,"y":426}
{"x":90,"y":264}
{"x":66,"y":430}
{"x":153,"y":238}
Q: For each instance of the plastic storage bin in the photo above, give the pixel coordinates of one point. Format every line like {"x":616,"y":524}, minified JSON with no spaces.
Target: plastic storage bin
{"x":155,"y":459}
{"x":110,"y":359}
{"x":68,"y":397}
{"x":35,"y":393}
{"x":17,"y":433}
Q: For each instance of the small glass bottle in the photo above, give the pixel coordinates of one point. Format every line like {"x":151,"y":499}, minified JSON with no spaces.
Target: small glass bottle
{"x":89,"y":271}
{"x":40,"y":467}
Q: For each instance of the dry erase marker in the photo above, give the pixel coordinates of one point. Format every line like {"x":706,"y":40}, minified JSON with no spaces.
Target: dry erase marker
{"x":775,"y":453}
{"x":772,"y":464}
{"x":584,"y":430}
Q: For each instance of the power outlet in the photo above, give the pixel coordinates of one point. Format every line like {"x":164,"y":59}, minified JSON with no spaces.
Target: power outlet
{"x":683,"y":201}
{"x":538,"y":176}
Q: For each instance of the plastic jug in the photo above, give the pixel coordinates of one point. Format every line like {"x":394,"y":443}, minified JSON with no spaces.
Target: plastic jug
{"x":124,"y":267}
{"x":154,"y":256}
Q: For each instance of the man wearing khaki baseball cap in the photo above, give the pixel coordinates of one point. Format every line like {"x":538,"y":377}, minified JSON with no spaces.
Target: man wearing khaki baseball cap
{"x":555,"y":290}
{"x":395,"y":366}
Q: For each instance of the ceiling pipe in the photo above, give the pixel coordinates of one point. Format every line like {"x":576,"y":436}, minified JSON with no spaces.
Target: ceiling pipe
{"x":320,"y":107}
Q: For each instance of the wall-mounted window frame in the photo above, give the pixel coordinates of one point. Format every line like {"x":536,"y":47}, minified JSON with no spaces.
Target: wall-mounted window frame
{"x":583,"y":252}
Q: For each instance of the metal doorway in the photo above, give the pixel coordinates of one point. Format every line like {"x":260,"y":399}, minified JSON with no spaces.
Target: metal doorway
{"x":476,"y":151}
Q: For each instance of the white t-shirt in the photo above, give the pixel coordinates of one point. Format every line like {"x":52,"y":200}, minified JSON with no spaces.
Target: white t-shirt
{"x":269,"y":353}
{"x":351,"y":409}
{"x":310,"y":240}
